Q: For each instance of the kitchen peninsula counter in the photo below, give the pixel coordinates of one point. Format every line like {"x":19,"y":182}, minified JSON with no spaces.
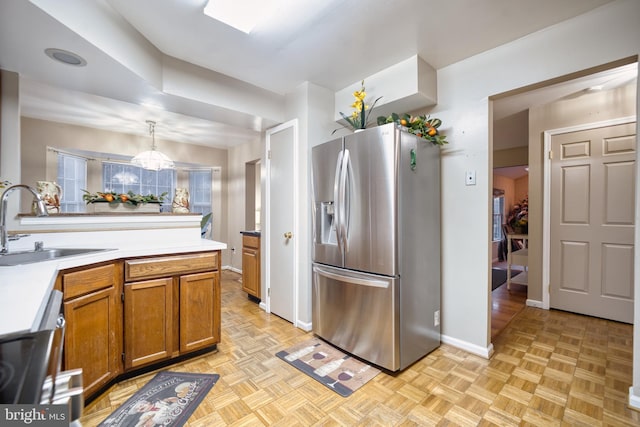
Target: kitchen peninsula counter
{"x":25,"y":289}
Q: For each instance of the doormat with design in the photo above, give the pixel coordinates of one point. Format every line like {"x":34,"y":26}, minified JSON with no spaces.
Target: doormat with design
{"x":168,"y":399}
{"x":337,"y":370}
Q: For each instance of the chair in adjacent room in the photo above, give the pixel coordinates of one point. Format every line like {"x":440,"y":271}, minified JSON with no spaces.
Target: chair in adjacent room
{"x":517,"y":254}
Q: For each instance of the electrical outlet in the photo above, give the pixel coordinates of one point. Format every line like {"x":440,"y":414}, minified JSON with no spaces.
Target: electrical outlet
{"x":436,"y":318}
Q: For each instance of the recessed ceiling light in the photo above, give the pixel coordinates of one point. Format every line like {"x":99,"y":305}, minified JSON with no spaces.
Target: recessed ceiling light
{"x":65,"y":57}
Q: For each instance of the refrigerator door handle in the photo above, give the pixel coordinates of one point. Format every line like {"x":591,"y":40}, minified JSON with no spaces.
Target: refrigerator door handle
{"x":350,"y":279}
{"x":343,"y":200}
{"x":336,"y":200}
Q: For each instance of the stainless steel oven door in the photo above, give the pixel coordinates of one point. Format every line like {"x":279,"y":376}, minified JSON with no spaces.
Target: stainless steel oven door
{"x":60,"y":387}
{"x":53,"y":320}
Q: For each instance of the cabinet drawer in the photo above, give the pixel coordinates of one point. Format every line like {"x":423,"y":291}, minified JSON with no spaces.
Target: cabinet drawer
{"x":251,"y":241}
{"x":86,"y":281}
{"x":146,"y":268}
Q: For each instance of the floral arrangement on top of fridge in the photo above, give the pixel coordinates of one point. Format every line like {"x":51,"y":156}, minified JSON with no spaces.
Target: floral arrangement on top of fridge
{"x":423,"y":126}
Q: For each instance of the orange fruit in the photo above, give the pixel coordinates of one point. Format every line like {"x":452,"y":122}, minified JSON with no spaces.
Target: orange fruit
{"x":403,"y":122}
{"x":432,"y":131}
{"x":108,"y":197}
{"x":124,"y":198}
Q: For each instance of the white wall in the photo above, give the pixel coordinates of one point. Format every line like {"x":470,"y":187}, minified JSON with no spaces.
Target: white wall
{"x":10,"y":136}
{"x":312,"y":105}
{"x":463,"y":106}
{"x":236,"y":187}
{"x":634,"y":391}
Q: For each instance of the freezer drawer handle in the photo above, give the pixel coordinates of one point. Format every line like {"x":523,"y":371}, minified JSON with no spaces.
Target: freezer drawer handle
{"x":355,"y":280}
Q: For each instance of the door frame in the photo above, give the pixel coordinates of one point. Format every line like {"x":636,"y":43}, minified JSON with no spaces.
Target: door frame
{"x":267,"y":216}
{"x":546,"y":200}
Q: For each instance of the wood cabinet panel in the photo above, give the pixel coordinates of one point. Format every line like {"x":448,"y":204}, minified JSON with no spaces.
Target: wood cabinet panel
{"x":251,"y":271}
{"x":93,"y":337}
{"x":148,"y":316}
{"x":251,"y":265}
{"x":88,"y":280}
{"x":148,"y":268}
{"x":199,"y":311}
{"x":170,"y":309}
{"x":251,"y":241}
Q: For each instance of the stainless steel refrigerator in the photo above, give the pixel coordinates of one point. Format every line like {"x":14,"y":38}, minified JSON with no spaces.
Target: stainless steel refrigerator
{"x":376,"y":245}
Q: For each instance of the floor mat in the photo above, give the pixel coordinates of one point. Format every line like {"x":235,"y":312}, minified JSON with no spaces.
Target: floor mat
{"x":168,"y":399}
{"x":499,"y":277}
{"x":338,"y":371}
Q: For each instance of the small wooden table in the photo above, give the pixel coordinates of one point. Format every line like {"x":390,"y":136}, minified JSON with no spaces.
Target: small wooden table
{"x":518,"y":257}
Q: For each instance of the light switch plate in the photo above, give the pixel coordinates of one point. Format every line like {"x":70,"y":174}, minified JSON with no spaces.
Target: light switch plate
{"x":470,"y":178}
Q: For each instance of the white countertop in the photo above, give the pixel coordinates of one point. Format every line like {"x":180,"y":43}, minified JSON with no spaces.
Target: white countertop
{"x":25,"y":289}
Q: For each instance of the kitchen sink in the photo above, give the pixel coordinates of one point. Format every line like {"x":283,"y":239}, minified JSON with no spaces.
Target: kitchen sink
{"x":27,"y":257}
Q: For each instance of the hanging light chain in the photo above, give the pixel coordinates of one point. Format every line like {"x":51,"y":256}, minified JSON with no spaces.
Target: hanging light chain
{"x":152,"y":132}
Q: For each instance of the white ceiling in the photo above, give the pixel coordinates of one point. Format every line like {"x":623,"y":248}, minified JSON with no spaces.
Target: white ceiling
{"x":331,"y":43}
{"x":513,"y":172}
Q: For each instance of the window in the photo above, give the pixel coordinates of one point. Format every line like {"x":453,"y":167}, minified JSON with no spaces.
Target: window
{"x":498,"y":216}
{"x":122,"y":178}
{"x":200,"y":191}
{"x":72,"y":177}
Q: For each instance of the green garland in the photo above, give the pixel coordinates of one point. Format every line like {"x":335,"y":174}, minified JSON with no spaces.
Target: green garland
{"x":130,"y":198}
{"x":421,"y":126}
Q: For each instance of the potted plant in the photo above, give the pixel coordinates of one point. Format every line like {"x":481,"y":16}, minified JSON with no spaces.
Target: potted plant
{"x":359,"y":118}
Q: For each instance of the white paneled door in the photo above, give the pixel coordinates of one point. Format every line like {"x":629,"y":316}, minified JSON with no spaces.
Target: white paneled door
{"x":592,"y":221}
{"x":281,"y":221}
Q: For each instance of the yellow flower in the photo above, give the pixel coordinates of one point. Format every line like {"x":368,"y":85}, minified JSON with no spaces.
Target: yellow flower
{"x":360,"y":95}
{"x":358,"y":119}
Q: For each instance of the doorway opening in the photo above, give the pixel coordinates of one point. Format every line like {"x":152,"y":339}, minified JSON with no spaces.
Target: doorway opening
{"x":253,"y":193}
{"x":510,"y":223}
{"x":520,"y":117}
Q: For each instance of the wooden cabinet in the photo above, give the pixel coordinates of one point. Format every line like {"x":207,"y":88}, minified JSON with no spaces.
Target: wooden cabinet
{"x":129,"y":315}
{"x":171,"y":306}
{"x":93,"y":334}
{"x":251,"y":265}
{"x":148,"y":316}
{"x":199,"y":311}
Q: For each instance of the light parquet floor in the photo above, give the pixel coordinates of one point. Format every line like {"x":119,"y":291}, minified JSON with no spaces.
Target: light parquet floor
{"x":549,"y":368}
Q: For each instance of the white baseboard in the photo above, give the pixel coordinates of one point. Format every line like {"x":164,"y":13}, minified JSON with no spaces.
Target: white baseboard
{"x":534,"y":303}
{"x":305,"y":326}
{"x":228,"y":267}
{"x":634,"y":400}
{"x":466,"y":346}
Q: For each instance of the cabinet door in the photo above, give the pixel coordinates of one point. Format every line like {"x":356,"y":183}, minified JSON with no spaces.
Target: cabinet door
{"x":91,"y":337}
{"x":199,"y":311}
{"x":148,"y":319}
{"x":251,"y":271}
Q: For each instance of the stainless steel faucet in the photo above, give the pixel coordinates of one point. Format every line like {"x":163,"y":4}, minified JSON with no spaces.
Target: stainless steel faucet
{"x":41,"y":210}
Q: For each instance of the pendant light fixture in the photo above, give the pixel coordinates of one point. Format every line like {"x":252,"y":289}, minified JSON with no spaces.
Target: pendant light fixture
{"x":153,"y":160}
